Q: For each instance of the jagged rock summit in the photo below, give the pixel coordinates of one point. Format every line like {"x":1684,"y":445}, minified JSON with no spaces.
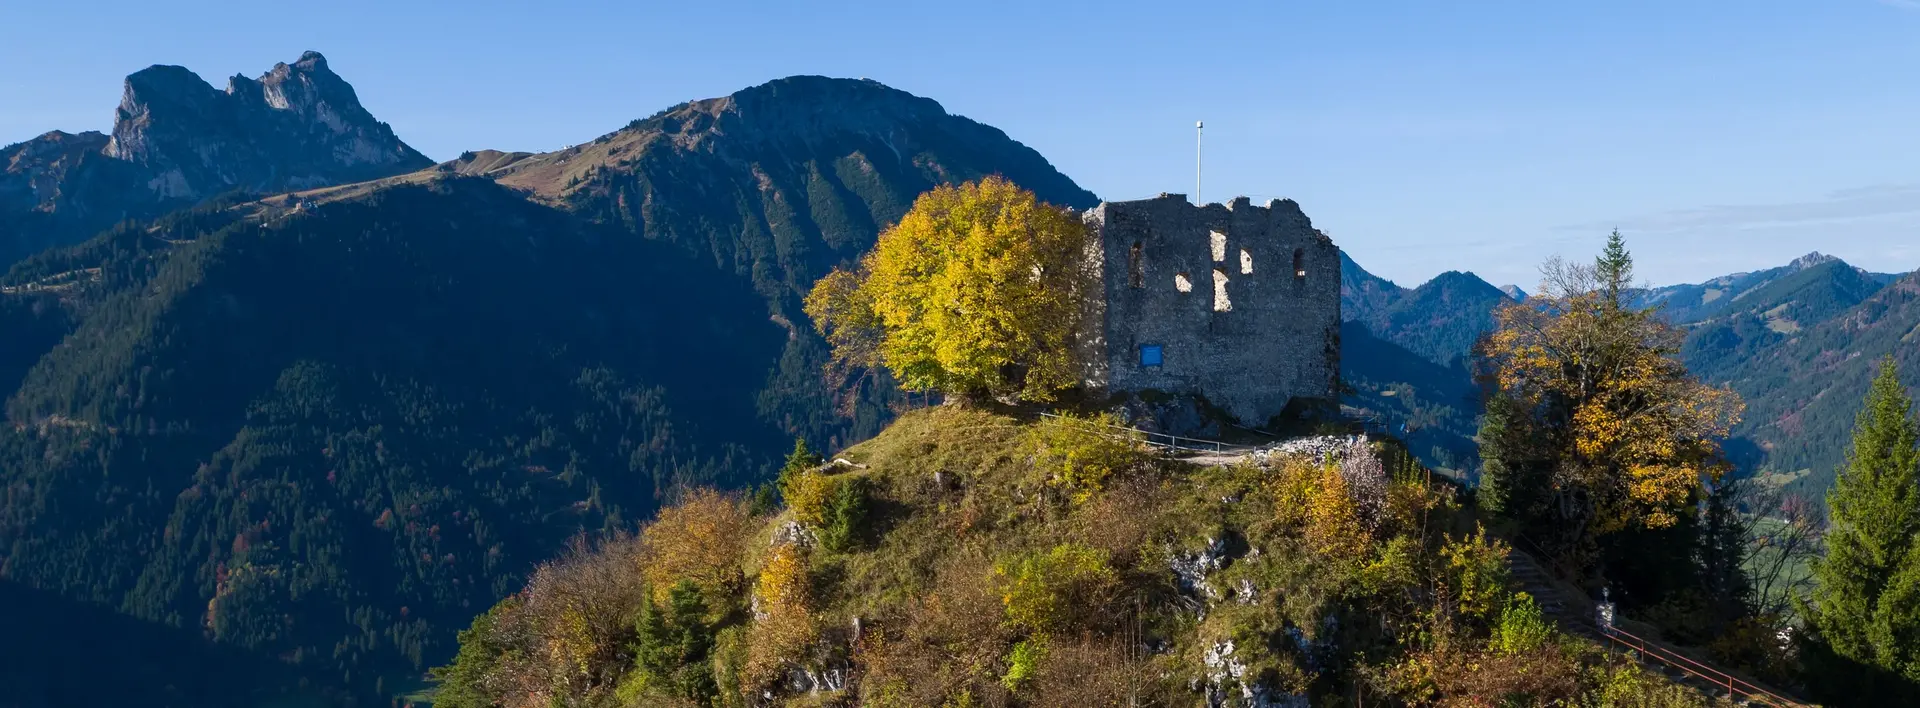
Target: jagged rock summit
{"x":177,"y":140}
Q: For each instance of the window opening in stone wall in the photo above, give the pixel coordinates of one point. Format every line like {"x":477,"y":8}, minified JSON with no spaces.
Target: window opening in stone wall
{"x":1220,"y":301}
{"x":1181,"y":283}
{"x":1219,"y":246}
{"x":1246,"y":262}
{"x":1150,"y":355}
{"x":1299,"y":263}
{"x":1136,"y":273}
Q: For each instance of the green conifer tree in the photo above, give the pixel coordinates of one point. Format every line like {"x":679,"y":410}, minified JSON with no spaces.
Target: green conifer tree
{"x":1868,"y":591}
{"x":1615,"y":268}
{"x":1722,"y":555}
{"x":672,"y":645}
{"x":802,"y":459}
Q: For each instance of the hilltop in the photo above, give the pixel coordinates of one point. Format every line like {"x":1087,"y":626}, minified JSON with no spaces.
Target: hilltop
{"x":965,"y":557}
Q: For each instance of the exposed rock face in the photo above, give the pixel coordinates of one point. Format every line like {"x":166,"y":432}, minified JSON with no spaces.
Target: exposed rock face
{"x":177,"y":141}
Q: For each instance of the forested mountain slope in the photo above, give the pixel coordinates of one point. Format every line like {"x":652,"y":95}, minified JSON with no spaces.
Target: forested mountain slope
{"x":331,"y":426}
{"x":334,"y":437}
{"x":1695,"y":302}
{"x":1774,"y":313}
{"x":776,"y":184}
{"x":1803,"y":393}
{"x":1404,"y":358}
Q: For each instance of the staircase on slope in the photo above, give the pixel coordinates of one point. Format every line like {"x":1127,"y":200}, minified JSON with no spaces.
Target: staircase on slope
{"x":1575,"y":615}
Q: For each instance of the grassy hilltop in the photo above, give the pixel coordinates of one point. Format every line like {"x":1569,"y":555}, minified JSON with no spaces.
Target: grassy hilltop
{"x":964,"y":557}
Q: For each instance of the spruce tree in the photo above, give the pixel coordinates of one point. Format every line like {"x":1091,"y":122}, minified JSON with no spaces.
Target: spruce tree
{"x":1869,"y":582}
{"x":1722,"y":554}
{"x":1615,"y":268}
{"x":801,"y":460}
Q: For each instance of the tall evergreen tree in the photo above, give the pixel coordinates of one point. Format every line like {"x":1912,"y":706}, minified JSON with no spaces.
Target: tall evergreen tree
{"x":1615,"y":268}
{"x":1868,"y":591}
{"x":1722,"y":553}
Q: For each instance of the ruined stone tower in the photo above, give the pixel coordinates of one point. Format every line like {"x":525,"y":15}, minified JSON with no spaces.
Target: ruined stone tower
{"x":1236,"y":303}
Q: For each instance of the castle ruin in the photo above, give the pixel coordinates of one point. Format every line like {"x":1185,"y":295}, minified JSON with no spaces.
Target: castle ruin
{"x":1236,"y":303}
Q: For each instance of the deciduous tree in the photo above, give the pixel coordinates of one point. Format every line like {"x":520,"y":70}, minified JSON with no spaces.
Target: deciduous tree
{"x":976,"y":291}
{"x":1594,"y":425}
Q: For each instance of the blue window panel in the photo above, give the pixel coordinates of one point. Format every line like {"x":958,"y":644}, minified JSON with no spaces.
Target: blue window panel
{"x":1150,"y":355}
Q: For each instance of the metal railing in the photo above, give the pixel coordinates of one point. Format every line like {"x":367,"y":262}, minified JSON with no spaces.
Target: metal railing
{"x":1649,"y":651}
{"x":1737,"y":689}
{"x":1159,"y":440}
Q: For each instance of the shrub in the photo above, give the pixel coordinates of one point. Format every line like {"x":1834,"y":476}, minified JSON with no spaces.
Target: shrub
{"x":1632,"y":687}
{"x":1024,"y":661}
{"x":1477,"y":574}
{"x":1079,"y":455}
{"x":1366,"y":481}
{"x":1055,"y":590}
{"x":1521,"y":629}
{"x":808,"y":495}
{"x":784,"y":626}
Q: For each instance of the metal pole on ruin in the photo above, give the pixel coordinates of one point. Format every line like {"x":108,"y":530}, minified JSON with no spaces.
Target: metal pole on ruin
{"x":1199,"y":147}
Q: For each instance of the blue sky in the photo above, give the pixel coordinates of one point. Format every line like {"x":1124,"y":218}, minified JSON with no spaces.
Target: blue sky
{"x":1719,"y":135}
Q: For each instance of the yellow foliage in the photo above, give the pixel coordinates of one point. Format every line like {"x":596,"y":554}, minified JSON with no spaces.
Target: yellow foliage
{"x":1054,"y":590}
{"x":571,"y":644}
{"x":1477,"y":574}
{"x":1315,"y":498}
{"x":1333,"y":523}
{"x":1078,"y":455}
{"x":977,"y":289}
{"x":784,"y":627}
{"x":700,"y":539}
{"x":807,"y":494}
{"x":1640,"y":431}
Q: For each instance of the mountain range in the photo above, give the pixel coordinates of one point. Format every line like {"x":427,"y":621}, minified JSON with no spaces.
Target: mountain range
{"x":275,"y":379}
{"x":330,"y":425}
{"x":177,"y":141}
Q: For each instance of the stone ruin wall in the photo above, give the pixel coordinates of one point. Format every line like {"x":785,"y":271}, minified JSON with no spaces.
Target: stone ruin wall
{"x":1243,"y":302}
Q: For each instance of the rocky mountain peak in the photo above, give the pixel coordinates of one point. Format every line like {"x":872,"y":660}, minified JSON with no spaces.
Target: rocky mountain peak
{"x":177,"y":140}
{"x":1810,"y":260}
{"x":298,"y":125}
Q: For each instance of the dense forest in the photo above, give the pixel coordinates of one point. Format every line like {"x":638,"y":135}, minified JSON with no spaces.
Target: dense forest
{"x":334,"y":437}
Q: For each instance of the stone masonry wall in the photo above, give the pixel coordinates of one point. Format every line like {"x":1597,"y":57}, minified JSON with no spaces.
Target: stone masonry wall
{"x":1247,"y":341}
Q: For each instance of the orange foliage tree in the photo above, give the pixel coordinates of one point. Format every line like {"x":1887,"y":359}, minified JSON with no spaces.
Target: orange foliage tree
{"x":1593,"y":424}
{"x":701,"y":539}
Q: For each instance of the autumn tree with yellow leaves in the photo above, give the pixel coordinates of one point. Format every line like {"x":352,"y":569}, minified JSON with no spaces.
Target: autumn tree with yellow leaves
{"x":1593,"y":425}
{"x":975,"y":292}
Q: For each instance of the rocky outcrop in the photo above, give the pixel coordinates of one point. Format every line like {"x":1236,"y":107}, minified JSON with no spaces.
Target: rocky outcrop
{"x":177,"y":141}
